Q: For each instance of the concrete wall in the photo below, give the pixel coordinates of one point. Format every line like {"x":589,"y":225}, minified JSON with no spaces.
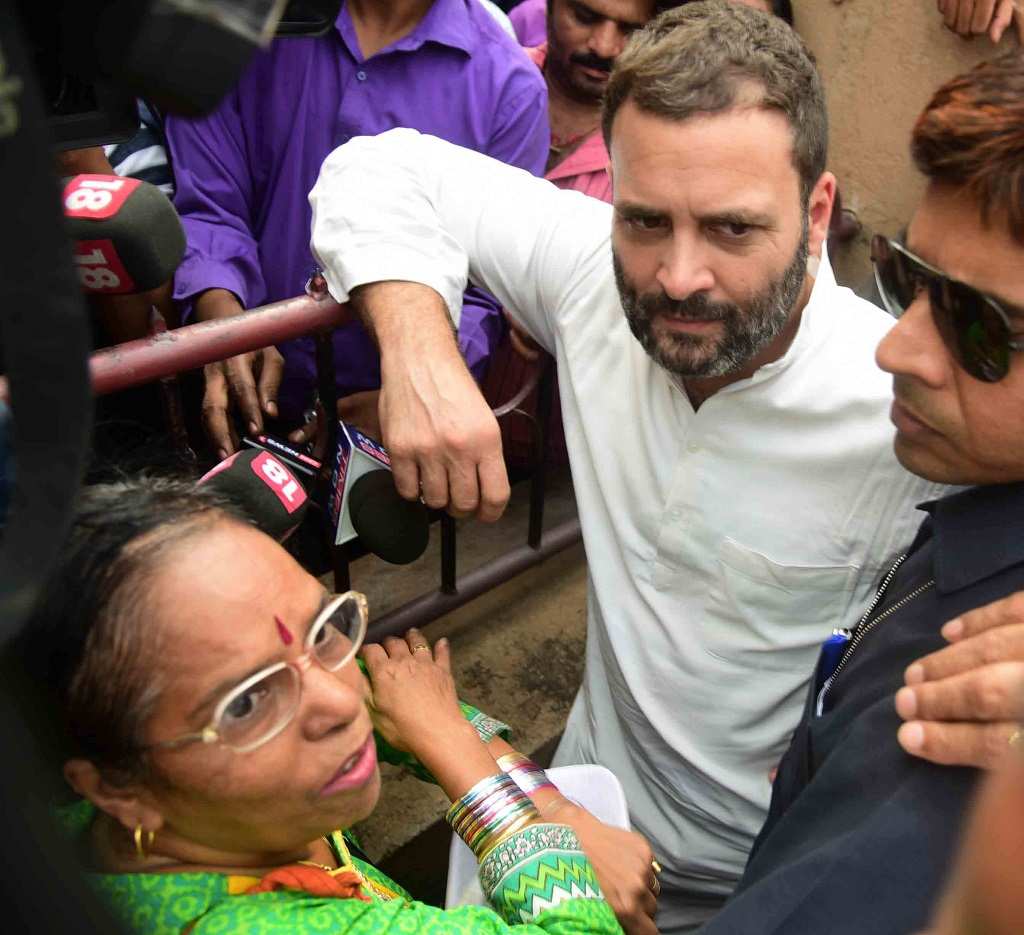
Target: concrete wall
{"x":881,"y":61}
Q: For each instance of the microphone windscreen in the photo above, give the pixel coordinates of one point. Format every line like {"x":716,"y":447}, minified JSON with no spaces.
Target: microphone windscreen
{"x":128,"y":237}
{"x":264,"y":488}
{"x":393,"y":528}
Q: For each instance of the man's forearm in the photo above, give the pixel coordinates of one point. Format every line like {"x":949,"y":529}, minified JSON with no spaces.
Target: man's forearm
{"x":406,"y":320}
{"x":444,"y":441}
{"x":217,"y":303}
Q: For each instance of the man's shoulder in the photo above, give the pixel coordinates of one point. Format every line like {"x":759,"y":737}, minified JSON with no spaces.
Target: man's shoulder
{"x":495,"y":54}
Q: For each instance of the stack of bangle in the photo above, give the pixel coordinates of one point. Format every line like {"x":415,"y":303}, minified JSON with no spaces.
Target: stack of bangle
{"x":525,"y":773}
{"x":493,"y":810}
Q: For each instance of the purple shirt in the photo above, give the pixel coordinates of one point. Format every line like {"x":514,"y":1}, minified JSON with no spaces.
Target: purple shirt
{"x":243,"y":173}
{"x":530,"y":21}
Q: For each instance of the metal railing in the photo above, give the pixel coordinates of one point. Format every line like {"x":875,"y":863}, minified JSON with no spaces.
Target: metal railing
{"x":164,"y":354}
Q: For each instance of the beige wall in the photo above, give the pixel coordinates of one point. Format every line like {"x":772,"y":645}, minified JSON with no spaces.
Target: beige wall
{"x":881,"y":61}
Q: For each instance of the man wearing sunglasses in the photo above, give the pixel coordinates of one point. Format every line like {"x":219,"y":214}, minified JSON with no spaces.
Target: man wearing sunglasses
{"x":860,"y":836}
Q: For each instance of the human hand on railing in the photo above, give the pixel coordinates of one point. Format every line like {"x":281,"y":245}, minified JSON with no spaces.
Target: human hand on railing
{"x":443,"y":438}
{"x":247,"y":383}
{"x":969,"y":18}
{"x":413,"y":702}
{"x":622,"y":861}
{"x":361,"y":410}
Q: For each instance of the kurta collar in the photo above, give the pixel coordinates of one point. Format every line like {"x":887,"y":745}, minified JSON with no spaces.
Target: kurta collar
{"x":447,"y":23}
{"x":818,"y":301}
{"x":977,"y":534}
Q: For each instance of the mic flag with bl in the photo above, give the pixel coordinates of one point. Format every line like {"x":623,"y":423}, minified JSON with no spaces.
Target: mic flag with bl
{"x":127,"y":236}
{"x":264,"y":488}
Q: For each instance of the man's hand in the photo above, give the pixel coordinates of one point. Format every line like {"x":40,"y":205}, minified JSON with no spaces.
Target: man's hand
{"x":442,"y":437}
{"x":963,"y":703}
{"x":359,"y":409}
{"x":247,"y":383}
{"x":622,"y":861}
{"x":969,"y":18}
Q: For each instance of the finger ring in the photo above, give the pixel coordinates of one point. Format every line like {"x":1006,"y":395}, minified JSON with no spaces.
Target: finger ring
{"x":656,"y":867}
{"x":655,"y":885}
{"x":1016,"y":738}
{"x":421,"y":649}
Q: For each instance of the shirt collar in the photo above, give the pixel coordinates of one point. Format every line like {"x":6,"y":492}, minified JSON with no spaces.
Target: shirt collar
{"x":447,"y":23}
{"x":977,"y":534}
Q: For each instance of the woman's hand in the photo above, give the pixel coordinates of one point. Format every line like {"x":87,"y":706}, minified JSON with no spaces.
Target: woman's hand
{"x":413,"y":701}
{"x":623,"y":862}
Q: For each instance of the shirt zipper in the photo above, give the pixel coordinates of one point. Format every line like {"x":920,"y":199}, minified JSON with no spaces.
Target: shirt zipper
{"x":863,"y":627}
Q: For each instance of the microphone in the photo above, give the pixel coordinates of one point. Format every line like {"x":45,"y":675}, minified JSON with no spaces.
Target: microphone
{"x":363,"y":501}
{"x":127,"y":236}
{"x":264,"y":488}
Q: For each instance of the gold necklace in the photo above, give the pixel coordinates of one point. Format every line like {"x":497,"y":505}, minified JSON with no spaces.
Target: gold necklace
{"x":337,"y":840}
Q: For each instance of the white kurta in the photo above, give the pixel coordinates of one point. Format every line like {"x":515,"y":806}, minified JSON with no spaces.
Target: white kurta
{"x":723,"y":545}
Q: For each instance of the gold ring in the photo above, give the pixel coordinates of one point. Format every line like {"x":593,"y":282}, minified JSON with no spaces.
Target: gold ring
{"x":656,"y":867}
{"x":421,"y":649}
{"x":1016,"y":738}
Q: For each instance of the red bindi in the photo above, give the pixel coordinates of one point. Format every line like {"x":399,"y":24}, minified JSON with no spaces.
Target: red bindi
{"x":283,"y":631}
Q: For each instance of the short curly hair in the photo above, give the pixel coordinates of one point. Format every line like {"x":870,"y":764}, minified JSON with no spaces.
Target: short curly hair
{"x":971,"y":137}
{"x":703,"y":58}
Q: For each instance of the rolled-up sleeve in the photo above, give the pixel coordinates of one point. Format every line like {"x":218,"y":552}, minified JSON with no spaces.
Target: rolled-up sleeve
{"x":214,"y":198}
{"x":405,"y":206}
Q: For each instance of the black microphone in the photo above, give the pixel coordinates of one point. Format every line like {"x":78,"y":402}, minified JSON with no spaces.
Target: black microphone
{"x":393,"y":528}
{"x":264,"y":488}
{"x":128,"y":238}
{"x":363,"y":501}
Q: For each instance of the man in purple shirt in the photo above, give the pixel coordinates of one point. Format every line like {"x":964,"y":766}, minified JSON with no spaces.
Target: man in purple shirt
{"x":243,"y":174}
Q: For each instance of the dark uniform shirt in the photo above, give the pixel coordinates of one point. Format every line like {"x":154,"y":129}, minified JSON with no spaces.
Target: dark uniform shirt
{"x":860,"y":836}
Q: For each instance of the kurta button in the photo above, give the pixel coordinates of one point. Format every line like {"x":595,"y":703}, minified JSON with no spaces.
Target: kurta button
{"x":361,"y":75}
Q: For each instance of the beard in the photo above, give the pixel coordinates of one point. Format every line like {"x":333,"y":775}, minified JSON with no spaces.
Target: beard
{"x":747,"y":329}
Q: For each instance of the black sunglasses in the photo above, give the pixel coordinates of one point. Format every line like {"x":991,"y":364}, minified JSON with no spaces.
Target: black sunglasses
{"x":972,"y":325}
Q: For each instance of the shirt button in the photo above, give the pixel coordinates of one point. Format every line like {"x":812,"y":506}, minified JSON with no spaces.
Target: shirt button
{"x":361,"y":75}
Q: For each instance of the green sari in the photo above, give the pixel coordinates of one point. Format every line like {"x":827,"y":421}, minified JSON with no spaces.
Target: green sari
{"x":538,"y":881}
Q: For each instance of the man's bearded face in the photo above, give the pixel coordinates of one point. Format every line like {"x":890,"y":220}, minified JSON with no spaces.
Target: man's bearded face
{"x":746,"y":328}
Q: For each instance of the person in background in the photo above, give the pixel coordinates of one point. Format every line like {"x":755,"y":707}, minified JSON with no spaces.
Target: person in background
{"x":530,"y":22}
{"x":223,"y":740}
{"x":530,"y":19}
{"x":584,"y":37}
{"x":860,"y":836}
{"x":243,"y":173}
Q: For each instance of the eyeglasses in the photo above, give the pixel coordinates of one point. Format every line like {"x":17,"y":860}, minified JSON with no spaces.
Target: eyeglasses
{"x":260,"y":707}
{"x":972,"y":325}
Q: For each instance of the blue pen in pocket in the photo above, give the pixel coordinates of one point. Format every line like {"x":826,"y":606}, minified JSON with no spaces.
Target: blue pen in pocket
{"x":831,"y":653}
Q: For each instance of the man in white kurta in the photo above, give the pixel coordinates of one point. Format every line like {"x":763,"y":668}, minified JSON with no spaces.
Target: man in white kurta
{"x":723,"y":543}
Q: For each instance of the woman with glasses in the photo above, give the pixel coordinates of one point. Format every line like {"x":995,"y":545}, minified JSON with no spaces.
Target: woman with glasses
{"x":223,"y":736}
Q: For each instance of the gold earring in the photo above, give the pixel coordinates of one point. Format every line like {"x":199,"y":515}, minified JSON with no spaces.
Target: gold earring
{"x":140,"y":849}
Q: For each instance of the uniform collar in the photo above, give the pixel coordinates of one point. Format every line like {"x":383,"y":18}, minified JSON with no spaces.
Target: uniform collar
{"x":977,"y":534}
{"x":447,"y":23}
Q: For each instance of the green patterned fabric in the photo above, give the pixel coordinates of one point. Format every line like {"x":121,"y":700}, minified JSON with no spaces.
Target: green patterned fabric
{"x":540,"y":885}
{"x":536,"y":870}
